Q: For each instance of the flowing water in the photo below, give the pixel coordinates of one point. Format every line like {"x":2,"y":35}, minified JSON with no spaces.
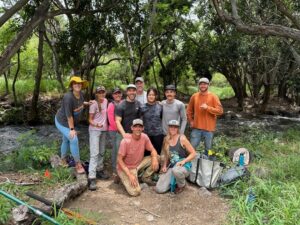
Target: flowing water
{"x":10,"y":135}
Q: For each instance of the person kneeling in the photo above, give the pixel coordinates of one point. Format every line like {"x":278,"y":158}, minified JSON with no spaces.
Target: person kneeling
{"x":178,"y":153}
{"x":131,"y":160}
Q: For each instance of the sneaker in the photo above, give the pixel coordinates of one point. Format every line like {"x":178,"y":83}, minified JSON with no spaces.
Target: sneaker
{"x":148,"y":181}
{"x":92,"y":184}
{"x":102,"y":175}
{"x":79,"y":168}
{"x":179,"y":190}
{"x":116,"y":178}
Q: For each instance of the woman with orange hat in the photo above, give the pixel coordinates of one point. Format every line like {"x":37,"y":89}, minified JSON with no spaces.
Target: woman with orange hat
{"x":67,"y":117}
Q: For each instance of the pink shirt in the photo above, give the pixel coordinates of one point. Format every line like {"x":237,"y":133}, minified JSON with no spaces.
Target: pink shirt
{"x":111,"y":117}
{"x":133,"y":150}
{"x":99,"y":116}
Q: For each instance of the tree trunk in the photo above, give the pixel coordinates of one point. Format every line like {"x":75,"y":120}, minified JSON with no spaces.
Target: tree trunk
{"x":55,"y":62}
{"x":266,"y":98}
{"x":6,"y":87}
{"x":38,"y":76}
{"x":15,"y":79}
{"x":156,"y":82}
{"x":21,"y":37}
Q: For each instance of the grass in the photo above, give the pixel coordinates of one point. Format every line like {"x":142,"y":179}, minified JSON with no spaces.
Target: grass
{"x":219,"y":86}
{"x":25,"y":87}
{"x":278,"y":190}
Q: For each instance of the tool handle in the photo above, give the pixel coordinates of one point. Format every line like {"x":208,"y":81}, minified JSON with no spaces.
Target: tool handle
{"x":41,"y":199}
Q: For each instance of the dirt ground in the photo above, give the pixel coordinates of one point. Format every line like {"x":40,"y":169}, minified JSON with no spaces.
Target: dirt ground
{"x":110,"y":204}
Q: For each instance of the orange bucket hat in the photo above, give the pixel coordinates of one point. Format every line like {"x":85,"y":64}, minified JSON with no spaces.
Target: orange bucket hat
{"x":76,"y":79}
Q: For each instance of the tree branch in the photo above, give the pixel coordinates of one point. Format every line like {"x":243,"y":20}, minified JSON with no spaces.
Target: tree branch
{"x":264,"y":30}
{"x":10,"y":12}
{"x":14,"y":46}
{"x":282,"y":8}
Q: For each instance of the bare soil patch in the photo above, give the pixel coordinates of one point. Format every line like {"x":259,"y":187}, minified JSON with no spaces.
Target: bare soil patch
{"x":110,"y":204}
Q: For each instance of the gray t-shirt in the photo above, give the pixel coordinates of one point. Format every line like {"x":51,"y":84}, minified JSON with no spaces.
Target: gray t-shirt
{"x":142,"y":98}
{"x":173,"y":111}
{"x":70,"y":107}
{"x":152,"y":118}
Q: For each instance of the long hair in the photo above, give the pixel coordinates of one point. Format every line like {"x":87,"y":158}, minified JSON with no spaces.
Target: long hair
{"x":166,"y":144}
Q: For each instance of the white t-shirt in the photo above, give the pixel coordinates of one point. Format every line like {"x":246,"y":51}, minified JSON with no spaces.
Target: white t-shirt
{"x":142,"y":98}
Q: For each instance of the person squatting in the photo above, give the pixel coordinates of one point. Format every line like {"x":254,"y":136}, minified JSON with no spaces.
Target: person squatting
{"x":146,"y":136}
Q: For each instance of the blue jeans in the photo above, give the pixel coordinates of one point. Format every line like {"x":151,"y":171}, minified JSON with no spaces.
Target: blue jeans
{"x":68,"y":142}
{"x":196,"y":137}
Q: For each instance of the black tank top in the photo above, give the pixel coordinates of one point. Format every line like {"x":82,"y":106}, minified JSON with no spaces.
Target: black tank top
{"x":178,"y":148}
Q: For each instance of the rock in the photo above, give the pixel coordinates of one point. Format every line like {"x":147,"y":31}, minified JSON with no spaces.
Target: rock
{"x":150,"y":218}
{"x":261,"y":172}
{"x":136,"y":203}
{"x":204,"y":192}
{"x":71,"y":190}
{"x":55,"y":161}
{"x":20,"y":213}
{"x":144,"y":186}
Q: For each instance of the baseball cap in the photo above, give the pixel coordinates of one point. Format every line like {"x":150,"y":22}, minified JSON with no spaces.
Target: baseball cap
{"x":139,"y":79}
{"x":170,"y":87}
{"x":130,"y":86}
{"x":173,"y":123}
{"x":100,"y":88}
{"x":116,"y":89}
{"x":203,"y":80}
{"x":137,"y":122}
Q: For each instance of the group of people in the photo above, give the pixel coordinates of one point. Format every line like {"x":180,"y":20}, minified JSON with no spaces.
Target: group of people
{"x":146,"y":135}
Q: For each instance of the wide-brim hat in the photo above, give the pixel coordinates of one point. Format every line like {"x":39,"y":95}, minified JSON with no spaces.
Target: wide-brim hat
{"x":77,"y":79}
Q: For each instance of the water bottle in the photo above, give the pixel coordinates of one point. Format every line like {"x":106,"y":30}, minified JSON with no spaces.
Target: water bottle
{"x":251,"y":197}
{"x":242,"y":160}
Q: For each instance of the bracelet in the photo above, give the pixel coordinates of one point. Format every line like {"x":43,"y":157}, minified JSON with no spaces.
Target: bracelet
{"x":72,"y":128}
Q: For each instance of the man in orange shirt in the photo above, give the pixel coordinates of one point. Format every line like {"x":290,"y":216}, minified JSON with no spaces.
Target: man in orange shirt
{"x":202,"y":112}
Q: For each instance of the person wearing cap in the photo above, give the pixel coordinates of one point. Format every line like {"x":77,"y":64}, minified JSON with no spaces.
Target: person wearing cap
{"x":97,"y":133}
{"x":178,"y":153}
{"x":173,"y":109}
{"x":127,"y":111}
{"x":67,"y":117}
{"x":152,"y":116}
{"x":202,"y":112}
{"x":131,"y":160}
{"x":141,"y":95}
{"x":112,"y":127}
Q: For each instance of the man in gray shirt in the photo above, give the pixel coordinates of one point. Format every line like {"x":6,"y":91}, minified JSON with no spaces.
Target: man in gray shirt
{"x":141,"y":95}
{"x":173,"y":109}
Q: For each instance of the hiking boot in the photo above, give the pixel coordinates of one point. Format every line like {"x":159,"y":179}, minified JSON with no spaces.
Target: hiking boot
{"x":148,"y":181}
{"x":116,"y":178}
{"x":179,"y":190}
{"x":102,"y":175}
{"x":92,"y":184}
{"x":79,"y":168}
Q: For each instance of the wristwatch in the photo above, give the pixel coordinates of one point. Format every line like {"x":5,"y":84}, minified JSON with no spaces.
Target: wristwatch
{"x":72,"y":128}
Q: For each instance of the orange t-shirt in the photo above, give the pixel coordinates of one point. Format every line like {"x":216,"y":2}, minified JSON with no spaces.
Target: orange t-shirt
{"x":204,"y":119}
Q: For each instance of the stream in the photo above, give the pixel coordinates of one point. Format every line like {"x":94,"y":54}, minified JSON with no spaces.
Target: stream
{"x":10,"y":135}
